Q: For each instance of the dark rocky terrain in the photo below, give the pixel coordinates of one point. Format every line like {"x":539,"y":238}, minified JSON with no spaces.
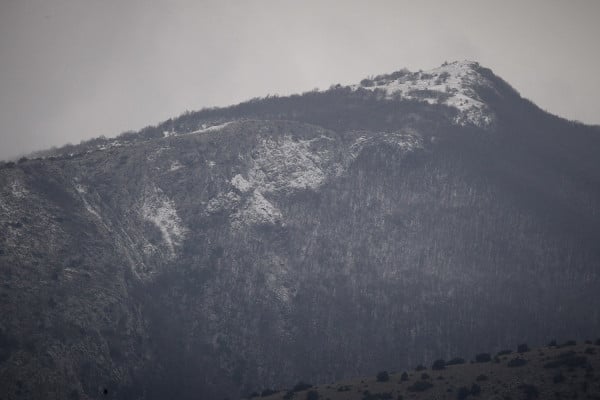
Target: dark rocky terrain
{"x":318,"y":236}
{"x":566,"y":371}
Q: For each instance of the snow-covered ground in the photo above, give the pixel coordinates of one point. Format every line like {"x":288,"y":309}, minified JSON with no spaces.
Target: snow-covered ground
{"x":451,"y":84}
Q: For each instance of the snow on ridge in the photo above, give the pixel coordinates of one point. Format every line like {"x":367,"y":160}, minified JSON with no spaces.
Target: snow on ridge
{"x":160,"y":210}
{"x":451,"y":84}
{"x":212,"y":128}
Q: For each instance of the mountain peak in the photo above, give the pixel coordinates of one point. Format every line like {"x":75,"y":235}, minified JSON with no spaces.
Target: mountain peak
{"x":452,"y":84}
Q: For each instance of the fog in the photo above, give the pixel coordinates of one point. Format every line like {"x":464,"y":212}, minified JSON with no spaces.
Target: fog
{"x":72,"y":70}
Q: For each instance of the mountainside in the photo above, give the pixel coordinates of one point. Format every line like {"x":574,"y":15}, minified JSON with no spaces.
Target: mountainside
{"x":320,"y":236}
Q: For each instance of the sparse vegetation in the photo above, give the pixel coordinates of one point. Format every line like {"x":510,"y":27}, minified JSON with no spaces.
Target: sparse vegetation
{"x":420,"y":386}
{"x":517,"y":362}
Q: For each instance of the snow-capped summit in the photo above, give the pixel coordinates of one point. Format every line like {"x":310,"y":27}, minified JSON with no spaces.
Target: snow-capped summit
{"x":452,"y":84}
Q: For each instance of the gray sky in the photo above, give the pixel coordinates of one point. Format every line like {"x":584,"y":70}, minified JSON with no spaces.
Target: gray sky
{"x":76,"y":69}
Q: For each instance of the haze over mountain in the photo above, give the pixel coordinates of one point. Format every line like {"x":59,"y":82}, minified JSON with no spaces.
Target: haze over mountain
{"x":72,"y":70}
{"x":409,"y":217}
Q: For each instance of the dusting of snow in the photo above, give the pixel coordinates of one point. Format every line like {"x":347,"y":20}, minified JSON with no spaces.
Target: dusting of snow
{"x":212,"y":128}
{"x":404,"y":141}
{"x":223,"y":202}
{"x":257,"y":210}
{"x":288,"y":164}
{"x":279,"y":164}
{"x":160,"y":210}
{"x":451,"y":84}
{"x":18,"y":190}
{"x":284,"y":164}
{"x":109,"y":145}
{"x":175,"y":165}
{"x":211,"y":164}
{"x":240,"y":183}
{"x":82,"y":190}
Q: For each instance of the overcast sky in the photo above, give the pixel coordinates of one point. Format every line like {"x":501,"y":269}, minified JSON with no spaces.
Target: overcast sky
{"x":76,"y":69}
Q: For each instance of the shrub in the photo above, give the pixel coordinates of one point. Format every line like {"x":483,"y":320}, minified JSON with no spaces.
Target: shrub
{"x":456,"y":361}
{"x":504,"y":352}
{"x":301,"y":386}
{"x":481,"y":378}
{"x":376,"y":396}
{"x":420,"y":368}
{"x":404,"y":377}
{"x":253,"y":394}
{"x":569,"y":360}
{"x":517,"y":362}
{"x":425,"y":376}
{"x":344,"y":388}
{"x":438,"y":364}
{"x":552,"y":343}
{"x":523,"y":348}
{"x":420,"y":386}
{"x":267,"y":392}
{"x":475,"y":389}
{"x":367,"y":82}
{"x":569,"y":343}
{"x":483,"y":357}
{"x":383,"y":376}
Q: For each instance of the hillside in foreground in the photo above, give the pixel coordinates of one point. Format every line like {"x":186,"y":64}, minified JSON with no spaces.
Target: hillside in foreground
{"x":567,"y":371}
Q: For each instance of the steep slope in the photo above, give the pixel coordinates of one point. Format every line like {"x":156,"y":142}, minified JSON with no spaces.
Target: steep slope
{"x":319,"y":237}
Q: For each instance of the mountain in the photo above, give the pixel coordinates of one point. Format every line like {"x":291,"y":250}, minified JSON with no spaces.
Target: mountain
{"x":322,"y":236}
{"x":564,"y":371}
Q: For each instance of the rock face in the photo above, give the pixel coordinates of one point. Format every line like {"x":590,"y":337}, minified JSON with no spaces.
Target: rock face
{"x":318,"y":237}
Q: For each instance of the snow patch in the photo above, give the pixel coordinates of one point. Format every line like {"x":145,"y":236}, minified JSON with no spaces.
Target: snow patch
{"x":451,"y":84}
{"x":258,"y":210}
{"x":288,"y":164}
{"x":18,"y":190}
{"x":405,"y":142}
{"x":241,"y":184}
{"x":160,"y":210}
{"x":175,"y":165}
{"x":212,"y":128}
{"x":82,"y":190}
{"x":281,"y":164}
